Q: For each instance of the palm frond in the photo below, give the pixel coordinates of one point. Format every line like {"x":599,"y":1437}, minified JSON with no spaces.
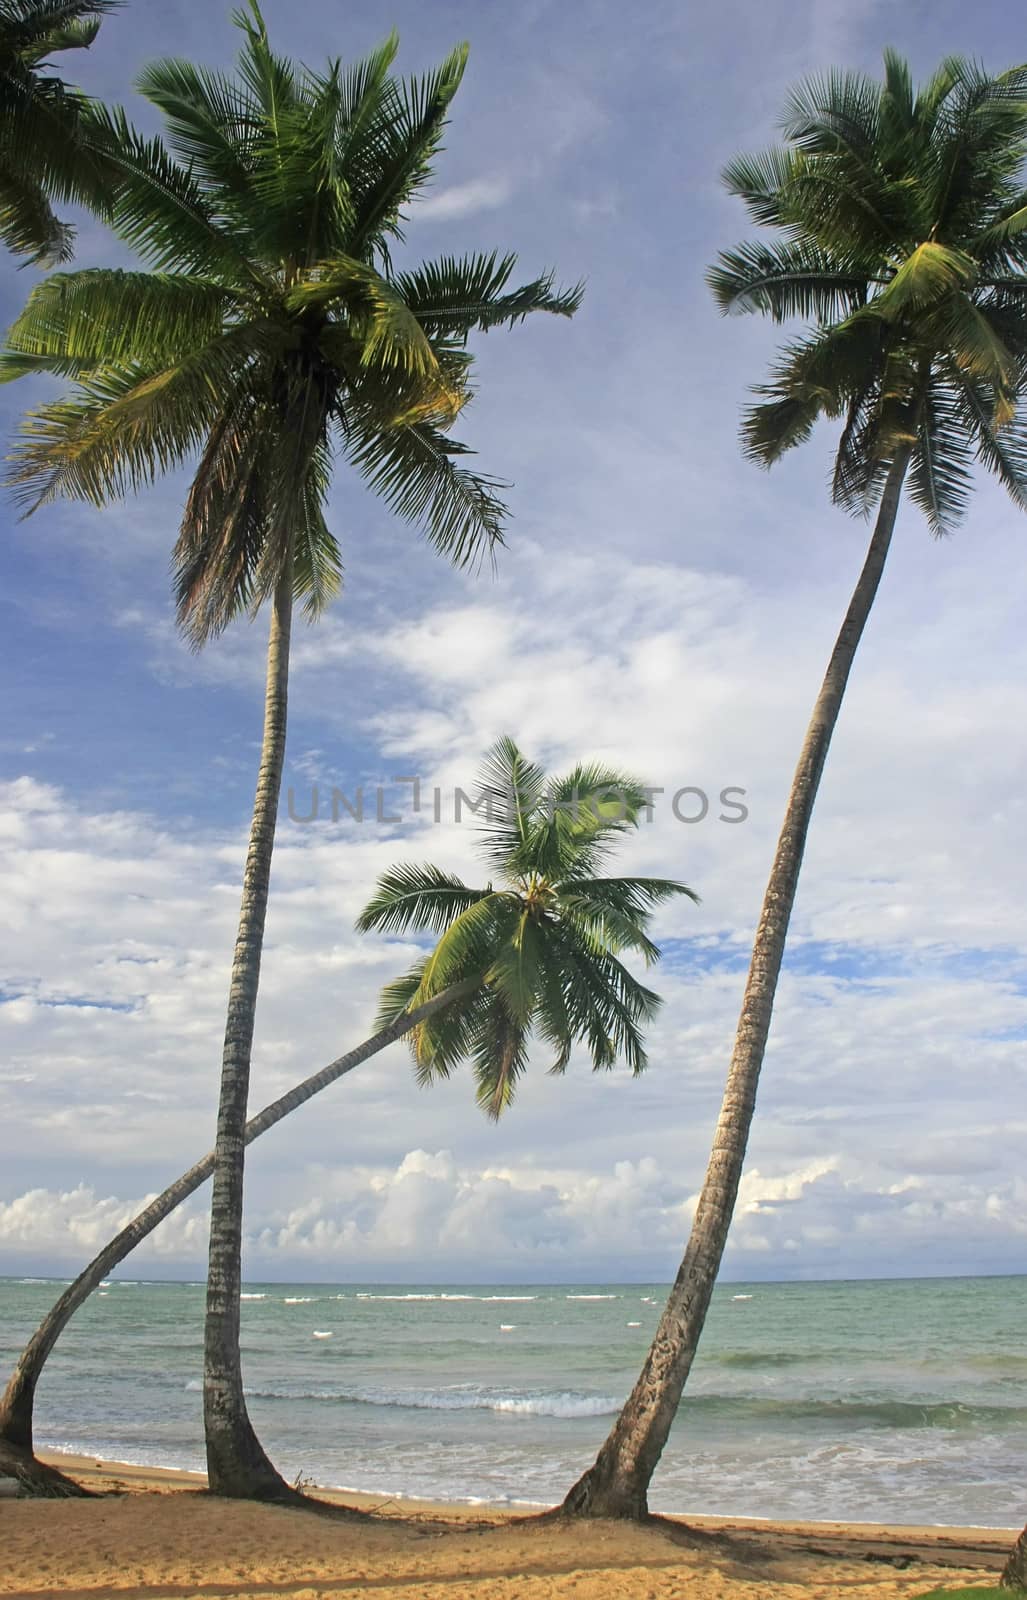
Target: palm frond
{"x":774,"y":426}
{"x":317,"y":558}
{"x":619,"y":909}
{"x":786,"y":280}
{"x":515,"y":973}
{"x":457,"y":294}
{"x":407,"y":136}
{"x":511,"y":788}
{"x":762,"y":182}
{"x":160,"y":208}
{"x":927,"y":275}
{"x":939,"y":475}
{"x":211,"y":122}
{"x":413,"y":469}
{"x":1003,"y":450}
{"x":28,"y":225}
{"x":27,"y":25}
{"x":469,"y":942}
{"x":499,"y":1055}
{"x":421,"y":898}
{"x":104,"y":315}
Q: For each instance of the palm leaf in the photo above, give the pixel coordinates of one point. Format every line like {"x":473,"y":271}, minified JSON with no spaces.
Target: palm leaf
{"x":785,"y":280}
{"x":939,"y":473}
{"x":927,"y":275}
{"x":412,"y":469}
{"x":499,"y":1054}
{"x":411,"y":897}
{"x":461,"y":293}
{"x":104,"y":315}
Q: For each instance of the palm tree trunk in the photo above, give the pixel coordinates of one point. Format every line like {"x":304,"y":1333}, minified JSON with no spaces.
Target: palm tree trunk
{"x":237,"y":1465}
{"x":617,"y":1485}
{"x":16,"y":1405}
{"x":1014,"y":1573}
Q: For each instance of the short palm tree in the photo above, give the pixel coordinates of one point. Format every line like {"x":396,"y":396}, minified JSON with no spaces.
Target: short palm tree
{"x":271,"y":333}
{"x":46,"y":151}
{"x":904,"y":223}
{"x":541,"y":950}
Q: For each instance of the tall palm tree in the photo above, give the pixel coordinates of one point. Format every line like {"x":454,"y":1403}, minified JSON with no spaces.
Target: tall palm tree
{"x":551,"y":915}
{"x":272,"y":332}
{"x":904,"y":247}
{"x":46,"y":150}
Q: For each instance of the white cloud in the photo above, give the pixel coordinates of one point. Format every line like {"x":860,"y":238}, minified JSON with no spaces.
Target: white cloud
{"x":897,"y":1043}
{"x":464,"y":199}
{"x":662,"y":605}
{"x":429,"y":1215}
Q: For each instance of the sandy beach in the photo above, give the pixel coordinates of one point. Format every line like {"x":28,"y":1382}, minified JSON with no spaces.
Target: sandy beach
{"x":156,"y":1535}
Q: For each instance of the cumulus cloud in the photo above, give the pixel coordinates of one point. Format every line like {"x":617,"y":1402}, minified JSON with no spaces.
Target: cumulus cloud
{"x":431,"y":1219}
{"x":663,"y":606}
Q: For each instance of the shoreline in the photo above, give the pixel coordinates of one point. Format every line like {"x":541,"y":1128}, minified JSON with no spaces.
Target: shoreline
{"x":144,"y":1476}
{"x":152,"y":1533}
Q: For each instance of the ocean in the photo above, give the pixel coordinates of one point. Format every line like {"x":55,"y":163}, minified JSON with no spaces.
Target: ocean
{"x":895,"y":1401}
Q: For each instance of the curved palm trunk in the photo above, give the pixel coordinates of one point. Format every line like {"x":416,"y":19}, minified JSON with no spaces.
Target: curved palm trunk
{"x":236,"y":1462}
{"x":1014,"y":1573}
{"x":617,"y":1485}
{"x":16,"y":1405}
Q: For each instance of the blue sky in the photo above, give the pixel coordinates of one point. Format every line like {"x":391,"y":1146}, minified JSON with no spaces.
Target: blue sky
{"x":661,"y":604}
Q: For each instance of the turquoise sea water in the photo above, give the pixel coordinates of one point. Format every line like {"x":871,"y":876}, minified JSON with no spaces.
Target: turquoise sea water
{"x":897,"y":1401}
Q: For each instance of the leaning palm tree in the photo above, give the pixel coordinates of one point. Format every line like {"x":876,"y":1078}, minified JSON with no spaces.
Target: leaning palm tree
{"x":46,"y":149}
{"x":904,"y":218}
{"x":271,"y":333}
{"x":541,"y":949}
{"x":541,"y":944}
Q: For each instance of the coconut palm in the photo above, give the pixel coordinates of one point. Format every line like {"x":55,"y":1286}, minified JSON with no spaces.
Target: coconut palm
{"x":46,"y":150}
{"x":903,"y":218}
{"x":544,"y":937}
{"x":271,"y":333}
{"x":540,"y":950}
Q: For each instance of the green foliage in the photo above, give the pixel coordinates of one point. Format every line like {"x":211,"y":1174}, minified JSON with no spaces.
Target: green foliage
{"x":904,"y":222}
{"x":540,"y":942}
{"x":269,"y":333}
{"x":46,"y":149}
{"x":989,"y":1592}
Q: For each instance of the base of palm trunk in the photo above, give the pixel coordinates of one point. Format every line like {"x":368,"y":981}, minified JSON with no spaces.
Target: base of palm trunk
{"x":600,"y":1494}
{"x":1014,"y":1573}
{"x":35,"y":1478}
{"x":238,"y":1467}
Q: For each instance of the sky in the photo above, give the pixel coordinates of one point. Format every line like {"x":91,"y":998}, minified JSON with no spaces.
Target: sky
{"x":662,"y":605}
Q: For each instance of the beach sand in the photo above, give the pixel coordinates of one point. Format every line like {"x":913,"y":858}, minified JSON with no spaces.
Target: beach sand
{"x":158,"y":1537}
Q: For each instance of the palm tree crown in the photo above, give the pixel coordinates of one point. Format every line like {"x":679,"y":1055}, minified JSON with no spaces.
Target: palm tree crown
{"x":542,"y":942}
{"x":272,"y":329}
{"x":904,"y":215}
{"x":45,"y":149}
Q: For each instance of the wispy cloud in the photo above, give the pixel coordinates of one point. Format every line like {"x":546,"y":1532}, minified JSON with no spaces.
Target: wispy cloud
{"x":465,"y":199}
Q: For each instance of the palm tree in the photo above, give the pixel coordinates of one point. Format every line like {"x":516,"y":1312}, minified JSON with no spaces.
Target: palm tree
{"x":903,"y":217}
{"x":551,"y":915}
{"x":271,"y":332}
{"x":46,"y":152}
{"x":543,"y":940}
